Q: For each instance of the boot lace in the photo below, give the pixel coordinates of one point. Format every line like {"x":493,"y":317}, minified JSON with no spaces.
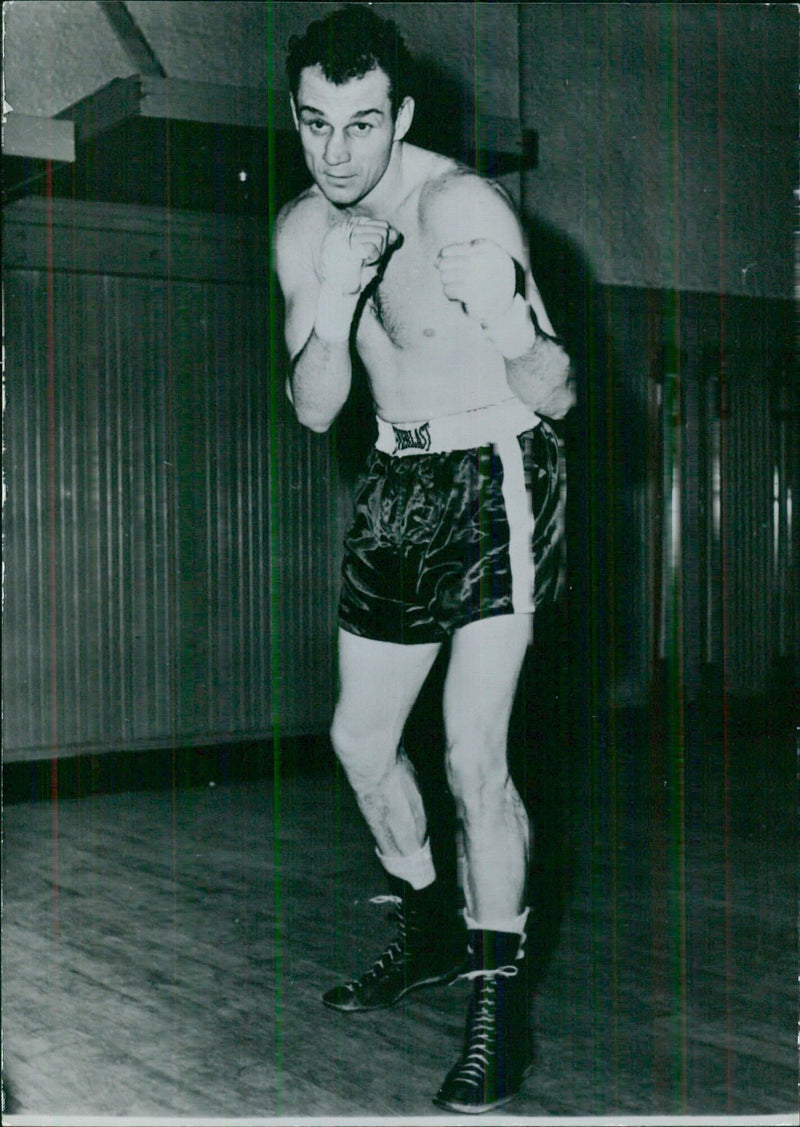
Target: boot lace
{"x":393,"y":955}
{"x":483,"y":1028}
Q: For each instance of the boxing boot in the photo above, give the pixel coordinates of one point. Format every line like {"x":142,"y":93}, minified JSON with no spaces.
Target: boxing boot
{"x":497,"y":1052}
{"x":426,"y":950}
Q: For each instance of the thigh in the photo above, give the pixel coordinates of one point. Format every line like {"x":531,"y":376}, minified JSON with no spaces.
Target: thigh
{"x":378,"y":684}
{"x":482,"y":677}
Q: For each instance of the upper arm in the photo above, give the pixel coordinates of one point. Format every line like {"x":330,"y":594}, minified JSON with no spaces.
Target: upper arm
{"x":295,"y":270}
{"x":464,"y":207}
{"x":461,"y":207}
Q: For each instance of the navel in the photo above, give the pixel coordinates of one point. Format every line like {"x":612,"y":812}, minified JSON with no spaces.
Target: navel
{"x":429,"y":332}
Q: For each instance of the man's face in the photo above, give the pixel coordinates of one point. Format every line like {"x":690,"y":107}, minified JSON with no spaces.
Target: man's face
{"x":347,"y":131}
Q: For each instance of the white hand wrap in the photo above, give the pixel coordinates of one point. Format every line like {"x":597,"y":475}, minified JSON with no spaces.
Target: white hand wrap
{"x":513,"y":333}
{"x":334,"y":316}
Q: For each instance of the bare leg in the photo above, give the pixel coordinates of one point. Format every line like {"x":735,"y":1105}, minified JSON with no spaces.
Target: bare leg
{"x":481,"y":683}
{"x":378,"y":684}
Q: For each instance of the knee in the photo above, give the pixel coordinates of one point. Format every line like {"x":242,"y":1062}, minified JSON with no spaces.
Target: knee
{"x":362,"y":754}
{"x":477,"y":774}
{"x":348,"y":743}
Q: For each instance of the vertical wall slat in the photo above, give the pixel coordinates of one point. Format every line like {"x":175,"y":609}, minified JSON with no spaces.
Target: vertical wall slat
{"x":131,"y":565}
{"x":748,"y":472}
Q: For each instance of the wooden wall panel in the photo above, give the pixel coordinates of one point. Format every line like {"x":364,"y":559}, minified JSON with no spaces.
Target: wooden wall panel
{"x":172,"y":535}
{"x":704,"y":386}
{"x":170,"y":531}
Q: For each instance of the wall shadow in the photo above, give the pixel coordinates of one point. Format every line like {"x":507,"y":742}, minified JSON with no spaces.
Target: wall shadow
{"x":561,"y":727}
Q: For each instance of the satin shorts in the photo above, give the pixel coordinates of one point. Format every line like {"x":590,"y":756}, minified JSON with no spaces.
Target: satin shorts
{"x":440,"y":540}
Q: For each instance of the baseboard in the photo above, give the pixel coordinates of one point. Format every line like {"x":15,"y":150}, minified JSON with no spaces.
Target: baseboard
{"x":81,"y":776}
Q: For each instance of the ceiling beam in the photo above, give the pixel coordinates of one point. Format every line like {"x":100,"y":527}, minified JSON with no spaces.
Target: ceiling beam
{"x":141,"y":55}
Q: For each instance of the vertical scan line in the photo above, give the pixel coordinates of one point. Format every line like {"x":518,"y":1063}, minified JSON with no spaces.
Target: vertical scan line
{"x":174,"y":637}
{"x":723,"y":553}
{"x":276,"y":617}
{"x":610,"y":561}
{"x":674,"y":643}
{"x":681,"y":970}
{"x":52,"y":517}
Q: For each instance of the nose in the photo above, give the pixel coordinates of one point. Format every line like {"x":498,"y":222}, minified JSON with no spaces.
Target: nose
{"x":336,"y":151}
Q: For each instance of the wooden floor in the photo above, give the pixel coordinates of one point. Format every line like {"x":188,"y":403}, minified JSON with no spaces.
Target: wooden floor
{"x":164,"y":953}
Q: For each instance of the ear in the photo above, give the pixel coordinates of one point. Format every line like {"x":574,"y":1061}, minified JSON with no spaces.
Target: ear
{"x":294,"y":112}
{"x":405,"y":115}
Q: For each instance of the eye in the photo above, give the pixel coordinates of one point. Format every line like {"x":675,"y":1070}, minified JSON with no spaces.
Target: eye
{"x":316,"y":126}
{"x":361,"y":127}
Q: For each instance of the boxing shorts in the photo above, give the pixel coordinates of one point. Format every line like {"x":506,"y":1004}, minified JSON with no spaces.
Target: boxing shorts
{"x":456,"y":519}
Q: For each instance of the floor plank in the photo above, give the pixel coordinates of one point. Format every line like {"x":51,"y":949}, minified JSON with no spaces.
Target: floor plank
{"x":164,"y":953}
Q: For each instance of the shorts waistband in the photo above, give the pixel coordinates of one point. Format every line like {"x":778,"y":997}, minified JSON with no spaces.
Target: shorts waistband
{"x":464,"y":431}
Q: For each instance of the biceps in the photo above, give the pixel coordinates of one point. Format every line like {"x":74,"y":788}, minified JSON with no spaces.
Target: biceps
{"x":299,"y":320}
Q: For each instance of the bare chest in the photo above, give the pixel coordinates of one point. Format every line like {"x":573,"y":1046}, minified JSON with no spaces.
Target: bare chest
{"x":408,"y":306}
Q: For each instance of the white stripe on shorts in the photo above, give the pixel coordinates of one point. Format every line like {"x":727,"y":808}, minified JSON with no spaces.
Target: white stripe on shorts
{"x":498,"y":425}
{"x":520,"y":525}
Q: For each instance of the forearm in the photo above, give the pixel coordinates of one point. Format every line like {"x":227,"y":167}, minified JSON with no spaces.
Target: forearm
{"x":320,"y":377}
{"x":319,"y":382}
{"x":537,"y":367}
{"x":542,"y":378}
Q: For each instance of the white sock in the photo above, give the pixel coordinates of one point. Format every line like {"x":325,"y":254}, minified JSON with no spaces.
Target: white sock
{"x":417,"y":870}
{"x":514,"y":925}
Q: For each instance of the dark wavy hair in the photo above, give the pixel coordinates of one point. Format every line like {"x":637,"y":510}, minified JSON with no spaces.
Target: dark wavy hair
{"x":349,"y":43}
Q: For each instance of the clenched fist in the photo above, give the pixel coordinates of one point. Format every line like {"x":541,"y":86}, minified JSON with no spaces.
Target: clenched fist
{"x":351,"y":252}
{"x":481,"y":276}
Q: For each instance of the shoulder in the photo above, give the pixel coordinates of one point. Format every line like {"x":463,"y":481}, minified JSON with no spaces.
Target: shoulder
{"x":457,"y":205}
{"x":453,"y":183}
{"x":298,"y":225}
{"x":300,"y":216}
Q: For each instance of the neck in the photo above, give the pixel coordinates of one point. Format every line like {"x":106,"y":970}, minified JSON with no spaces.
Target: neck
{"x":388,"y":191}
